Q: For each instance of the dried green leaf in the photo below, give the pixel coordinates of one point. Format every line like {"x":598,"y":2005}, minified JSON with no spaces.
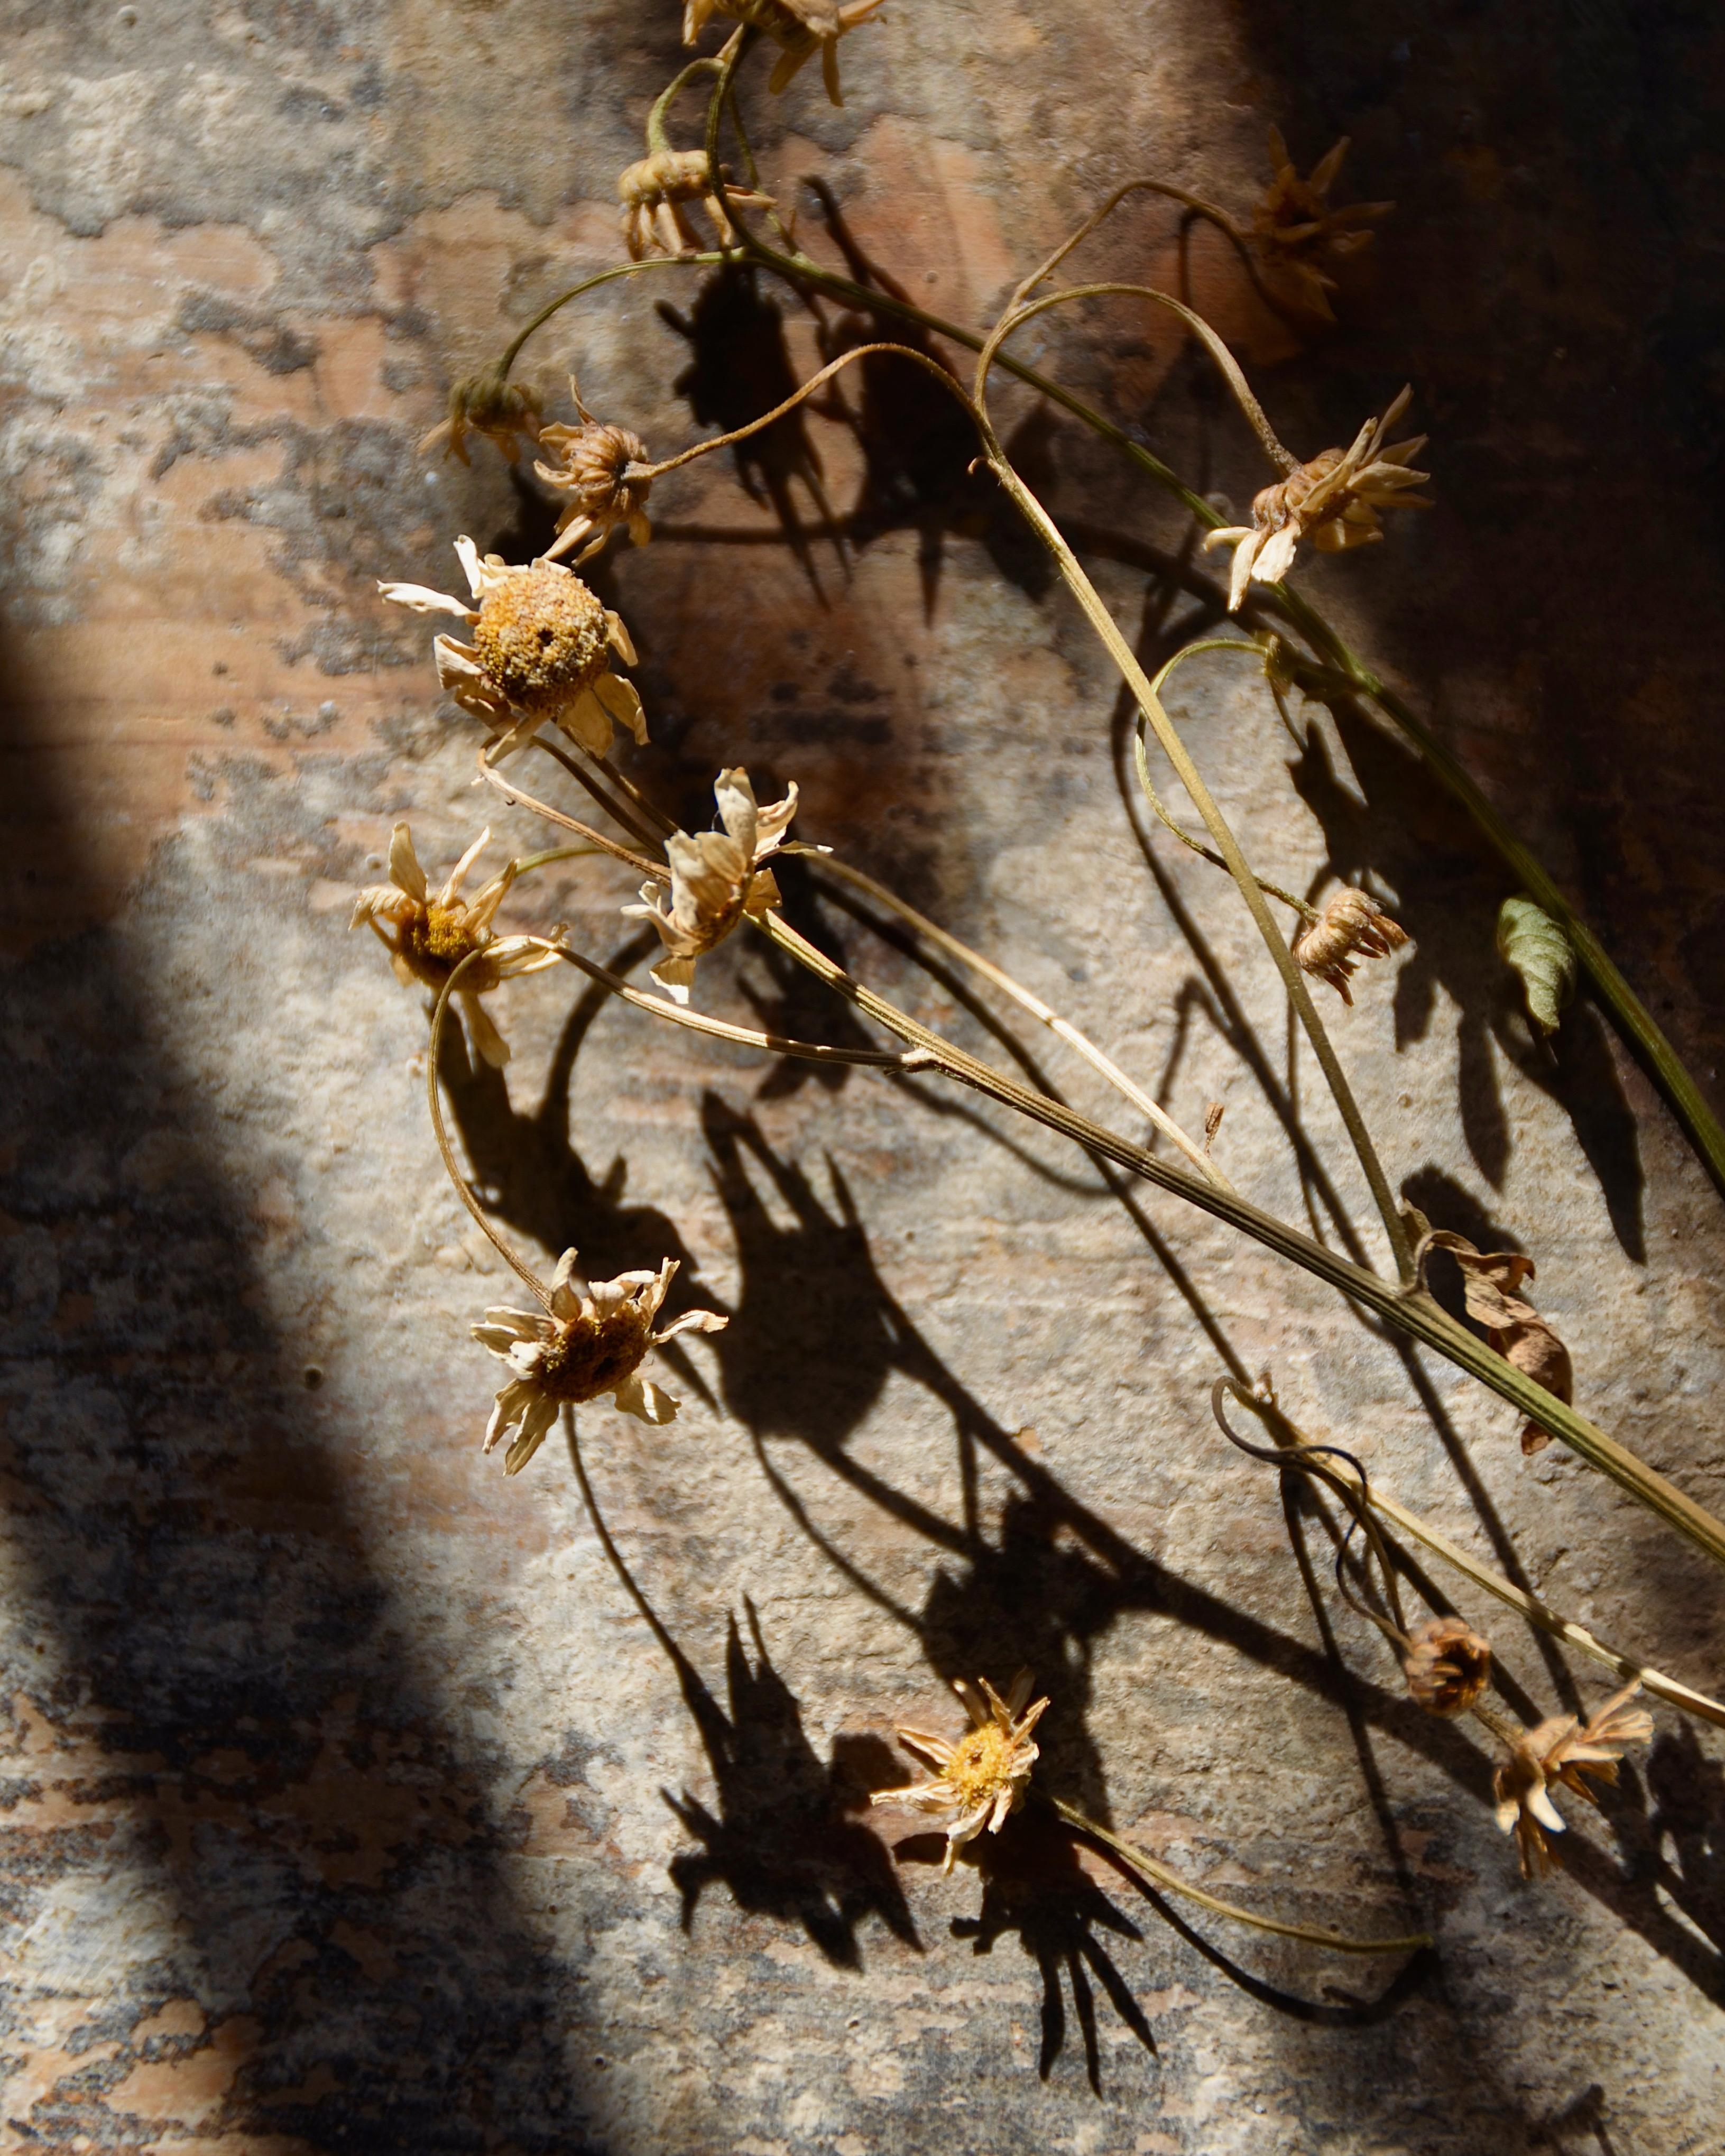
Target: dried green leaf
{"x":1531,"y":942}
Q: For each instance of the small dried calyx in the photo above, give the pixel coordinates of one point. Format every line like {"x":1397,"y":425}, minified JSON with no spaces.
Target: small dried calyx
{"x":1447,"y":1665}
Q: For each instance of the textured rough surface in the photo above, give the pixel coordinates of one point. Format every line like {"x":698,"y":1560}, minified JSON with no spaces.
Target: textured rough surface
{"x":350,"y":1800}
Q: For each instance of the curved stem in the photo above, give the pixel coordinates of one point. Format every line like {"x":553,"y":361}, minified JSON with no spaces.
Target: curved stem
{"x":658,"y":140}
{"x":1147,"y":1867}
{"x":1674,"y":1693}
{"x":1206,"y":853}
{"x":435,"y":1104}
{"x":513,"y":349}
{"x":626,"y":817}
{"x":1226,"y":364}
{"x":1411,"y":1310}
{"x":1107,"y":629}
{"x":517,"y":799}
{"x":1146,"y":1107}
{"x":776,"y":1043}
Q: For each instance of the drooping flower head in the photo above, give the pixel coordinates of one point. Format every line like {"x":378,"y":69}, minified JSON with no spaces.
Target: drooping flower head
{"x":1447,"y":1665}
{"x":716,"y":879}
{"x":1562,"y":1750}
{"x":1297,"y":231}
{"x":800,"y":28}
{"x":982,"y":1779}
{"x":591,"y":1341}
{"x":1353,"y":926}
{"x":1333,"y":501}
{"x":427,"y":935}
{"x":542,"y":649}
{"x":657,"y":193}
{"x":596,"y":468}
{"x":505,"y":413}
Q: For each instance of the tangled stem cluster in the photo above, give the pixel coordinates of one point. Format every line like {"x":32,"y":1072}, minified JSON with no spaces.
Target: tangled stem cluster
{"x":541,"y":660}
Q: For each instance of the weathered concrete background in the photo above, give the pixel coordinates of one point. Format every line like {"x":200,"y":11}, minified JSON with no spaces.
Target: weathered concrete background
{"x":350,"y":1803}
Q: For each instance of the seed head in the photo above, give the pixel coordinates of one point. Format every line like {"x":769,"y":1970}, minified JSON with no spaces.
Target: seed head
{"x":1351,"y":927}
{"x":543,"y":637}
{"x":1447,"y":1666}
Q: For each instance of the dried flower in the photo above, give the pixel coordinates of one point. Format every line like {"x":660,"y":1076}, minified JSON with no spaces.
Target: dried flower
{"x":1297,"y":229}
{"x":594,"y":466}
{"x":432,"y":936}
{"x":800,"y":27}
{"x":592,"y":1340}
{"x":717,"y":878}
{"x":983,"y":1777}
{"x":541,"y":649}
{"x":1333,"y":501}
{"x":485,"y":404}
{"x":1447,"y":1665}
{"x":1350,"y":926}
{"x":1491,"y":1288}
{"x":654,"y":191}
{"x":1563,"y":1749}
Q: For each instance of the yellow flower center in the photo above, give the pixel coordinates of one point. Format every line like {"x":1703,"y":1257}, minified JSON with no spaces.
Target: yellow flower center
{"x":541,"y":638}
{"x":981,"y":1766}
{"x":591,"y":1355}
{"x":434,"y":940}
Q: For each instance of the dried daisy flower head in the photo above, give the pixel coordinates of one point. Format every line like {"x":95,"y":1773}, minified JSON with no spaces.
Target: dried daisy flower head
{"x":1351,"y":927}
{"x":596,"y":468}
{"x":542,"y":649}
{"x":982,"y":1777}
{"x":1333,"y":501}
{"x":1447,"y":1664}
{"x":1297,"y":229}
{"x":427,"y":936}
{"x":655,"y":192}
{"x":590,"y":1341}
{"x":715,"y":879}
{"x":504,"y":412}
{"x":799,"y":28}
{"x":1562,"y":1750}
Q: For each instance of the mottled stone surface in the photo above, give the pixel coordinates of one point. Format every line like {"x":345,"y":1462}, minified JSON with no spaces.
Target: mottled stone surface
{"x":351,"y":1800}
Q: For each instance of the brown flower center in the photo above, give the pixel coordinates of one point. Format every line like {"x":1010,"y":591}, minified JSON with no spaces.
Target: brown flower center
{"x":541,"y":637}
{"x":981,"y":1766}
{"x":434,"y":940}
{"x":590,"y":1355}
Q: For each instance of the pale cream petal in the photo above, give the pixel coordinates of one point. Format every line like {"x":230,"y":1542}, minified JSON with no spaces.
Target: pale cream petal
{"x":648,"y":1402}
{"x":675,"y":975}
{"x":737,"y":812}
{"x":936,"y":1749}
{"x":975,"y":1706}
{"x":404,"y":865}
{"x":1241,"y":575}
{"x":456,"y":875}
{"x":510,"y":1404}
{"x":469,"y":557}
{"x":1275,"y":556}
{"x":1541,"y":1808}
{"x":773,"y":821}
{"x":566,"y":1285}
{"x":692,"y":1320}
{"x":587,"y":721}
{"x":620,"y":699}
{"x":484,"y":1035}
{"x":483,"y":910}
{"x":424,"y":600}
{"x":540,"y":1415}
{"x":622,"y":643}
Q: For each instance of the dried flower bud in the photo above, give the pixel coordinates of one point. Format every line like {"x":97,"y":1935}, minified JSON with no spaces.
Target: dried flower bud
{"x":1333,"y":501}
{"x":503,"y":412}
{"x":542,"y":649}
{"x":1447,"y":1666}
{"x":592,"y":464}
{"x":983,"y":1777}
{"x":799,"y":28}
{"x":1351,"y":927}
{"x":1297,"y":229}
{"x":655,"y":193}
{"x":588,"y":1343}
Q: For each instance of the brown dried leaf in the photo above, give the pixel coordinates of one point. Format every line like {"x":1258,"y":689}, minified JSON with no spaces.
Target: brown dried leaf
{"x":1490,"y":1285}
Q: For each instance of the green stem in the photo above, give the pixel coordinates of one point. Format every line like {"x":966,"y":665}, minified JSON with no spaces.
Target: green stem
{"x":1411,"y":1310}
{"x":1170,"y":1883}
